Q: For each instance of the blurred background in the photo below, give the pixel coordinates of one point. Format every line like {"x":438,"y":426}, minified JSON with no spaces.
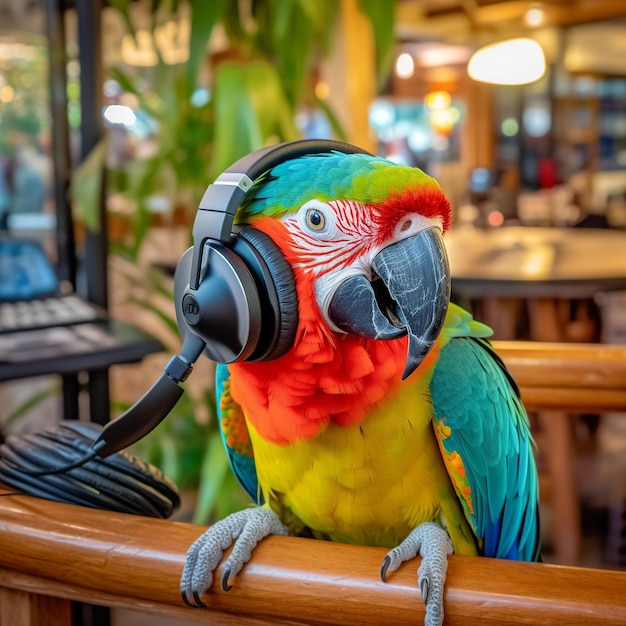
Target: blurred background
{"x":115,"y":116}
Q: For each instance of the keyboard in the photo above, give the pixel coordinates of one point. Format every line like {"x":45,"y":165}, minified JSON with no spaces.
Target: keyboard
{"x":46,"y":312}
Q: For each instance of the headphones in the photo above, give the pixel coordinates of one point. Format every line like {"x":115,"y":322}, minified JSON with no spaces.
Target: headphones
{"x":235,"y":300}
{"x":233,"y":288}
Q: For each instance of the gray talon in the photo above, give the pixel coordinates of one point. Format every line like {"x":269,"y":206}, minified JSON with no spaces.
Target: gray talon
{"x":432,"y":543}
{"x":185,"y":599}
{"x":384,"y":566}
{"x":225,"y":577}
{"x":424,"y":590}
{"x":199,"y":603}
{"x":244,"y":529}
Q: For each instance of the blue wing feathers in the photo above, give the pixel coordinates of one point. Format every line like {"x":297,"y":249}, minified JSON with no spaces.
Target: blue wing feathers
{"x":242,"y":466}
{"x":489,"y":430}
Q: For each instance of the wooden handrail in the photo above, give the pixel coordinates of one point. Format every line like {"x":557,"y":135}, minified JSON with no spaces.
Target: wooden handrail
{"x":571,"y":377}
{"x":117,"y":560}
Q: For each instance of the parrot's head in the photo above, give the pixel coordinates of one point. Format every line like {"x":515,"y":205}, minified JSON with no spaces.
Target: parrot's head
{"x":364,"y":236}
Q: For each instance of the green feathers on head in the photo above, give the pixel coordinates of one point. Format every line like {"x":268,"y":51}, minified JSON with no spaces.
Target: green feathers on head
{"x":360,"y":177}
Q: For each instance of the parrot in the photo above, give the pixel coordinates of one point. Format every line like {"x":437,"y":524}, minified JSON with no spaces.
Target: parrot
{"x":390,"y":421}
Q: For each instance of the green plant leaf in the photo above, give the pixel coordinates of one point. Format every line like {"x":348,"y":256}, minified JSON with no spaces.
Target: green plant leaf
{"x":293,"y":61}
{"x":237,"y":128}
{"x":204,"y":16}
{"x":272,"y":108}
{"x":123,"y":6}
{"x":381,"y":15}
{"x":215,"y":468}
{"x":333,"y":120}
{"x":86,"y":186}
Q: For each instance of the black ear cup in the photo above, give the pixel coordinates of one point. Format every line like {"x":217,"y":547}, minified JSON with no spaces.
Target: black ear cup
{"x":225,"y":310}
{"x":245,"y":307}
{"x":276,"y":288}
{"x":121,"y":482}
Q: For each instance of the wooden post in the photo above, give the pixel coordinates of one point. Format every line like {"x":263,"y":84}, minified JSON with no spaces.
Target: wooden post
{"x":21,"y":608}
{"x":351,"y":76}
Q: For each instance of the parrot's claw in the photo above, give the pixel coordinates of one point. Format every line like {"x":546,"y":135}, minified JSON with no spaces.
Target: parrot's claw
{"x":244,"y":529}
{"x":433,"y":544}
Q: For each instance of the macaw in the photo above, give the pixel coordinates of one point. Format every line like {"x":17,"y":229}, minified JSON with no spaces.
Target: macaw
{"x":391,"y":421}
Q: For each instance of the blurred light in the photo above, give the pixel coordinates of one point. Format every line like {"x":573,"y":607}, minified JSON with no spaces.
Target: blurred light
{"x":200,"y":97}
{"x":119,"y":114}
{"x":111,"y":88}
{"x":381,"y":114}
{"x":455,"y":114}
{"x":535,"y":16}
{"x":73,"y":68}
{"x":509,"y":127}
{"x":139,"y":51}
{"x":513,"y":62}
{"x":439,"y":55}
{"x":536,"y":121}
{"x":419,"y":140}
{"x":171,"y":39}
{"x":495,"y":218}
{"x":16,"y":51}
{"x":405,"y":66}
{"x":442,"y":121}
{"x":322,"y":90}
{"x":7,"y":93}
{"x":480,"y":180}
{"x":437,"y":100}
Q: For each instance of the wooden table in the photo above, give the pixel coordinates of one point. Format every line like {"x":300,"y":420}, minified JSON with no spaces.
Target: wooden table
{"x":548,"y":269}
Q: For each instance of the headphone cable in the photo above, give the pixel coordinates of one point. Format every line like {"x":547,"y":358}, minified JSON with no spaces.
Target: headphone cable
{"x":93,"y":452}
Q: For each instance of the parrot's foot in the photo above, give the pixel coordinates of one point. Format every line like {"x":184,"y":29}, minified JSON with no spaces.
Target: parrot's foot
{"x":433,"y":544}
{"x":245,"y":529}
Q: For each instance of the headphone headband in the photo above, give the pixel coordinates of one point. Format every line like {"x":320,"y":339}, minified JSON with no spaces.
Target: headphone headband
{"x":216,"y":212}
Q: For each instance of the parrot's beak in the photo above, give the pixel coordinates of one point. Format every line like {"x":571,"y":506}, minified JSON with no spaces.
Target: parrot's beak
{"x":410,"y":298}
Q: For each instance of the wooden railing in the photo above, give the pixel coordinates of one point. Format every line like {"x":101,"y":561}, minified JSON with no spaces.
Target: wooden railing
{"x":567,"y":376}
{"x":51,"y":553}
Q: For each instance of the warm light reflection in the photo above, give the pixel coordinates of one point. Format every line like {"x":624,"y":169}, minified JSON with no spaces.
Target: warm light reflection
{"x":512,"y":62}
{"x":322,"y":90}
{"x":442,"y":121}
{"x":535,"y":16}
{"x":7,"y":93}
{"x":437,"y":100}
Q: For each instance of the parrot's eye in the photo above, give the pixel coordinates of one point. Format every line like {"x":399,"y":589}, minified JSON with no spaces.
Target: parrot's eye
{"x":315,"y":219}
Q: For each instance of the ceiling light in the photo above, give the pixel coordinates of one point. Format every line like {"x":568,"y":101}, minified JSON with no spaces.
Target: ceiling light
{"x":512,"y":62}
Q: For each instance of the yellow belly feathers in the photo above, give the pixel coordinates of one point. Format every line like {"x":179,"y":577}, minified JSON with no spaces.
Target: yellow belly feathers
{"x":368,"y":484}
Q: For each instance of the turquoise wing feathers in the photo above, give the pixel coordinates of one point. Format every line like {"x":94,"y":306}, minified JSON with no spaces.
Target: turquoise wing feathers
{"x":235,"y":436}
{"x":485,"y":439}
